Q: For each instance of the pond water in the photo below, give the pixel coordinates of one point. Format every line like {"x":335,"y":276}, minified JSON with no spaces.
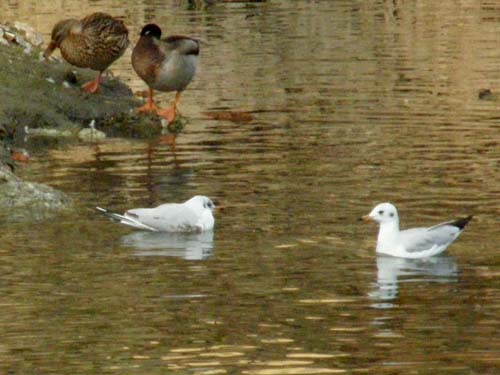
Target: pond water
{"x":348,"y":103}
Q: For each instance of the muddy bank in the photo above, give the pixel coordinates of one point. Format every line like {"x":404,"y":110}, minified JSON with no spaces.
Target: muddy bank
{"x":46,"y":94}
{"x":43,"y":99}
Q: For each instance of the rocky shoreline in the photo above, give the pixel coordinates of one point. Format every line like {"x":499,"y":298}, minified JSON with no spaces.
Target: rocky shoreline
{"x":43,"y":99}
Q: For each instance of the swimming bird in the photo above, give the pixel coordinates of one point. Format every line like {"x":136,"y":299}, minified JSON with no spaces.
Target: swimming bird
{"x":194,"y":215}
{"x":167,"y":64}
{"x":94,"y":42}
{"x":412,"y":243}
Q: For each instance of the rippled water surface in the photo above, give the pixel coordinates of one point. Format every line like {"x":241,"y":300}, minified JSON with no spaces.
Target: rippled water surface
{"x":347,"y":103}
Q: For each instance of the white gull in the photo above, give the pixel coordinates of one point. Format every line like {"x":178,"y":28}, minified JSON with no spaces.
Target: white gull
{"x":416,"y":242}
{"x":194,"y":215}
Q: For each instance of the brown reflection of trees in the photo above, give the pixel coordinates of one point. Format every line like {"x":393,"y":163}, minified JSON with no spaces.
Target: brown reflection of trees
{"x":351,"y":103}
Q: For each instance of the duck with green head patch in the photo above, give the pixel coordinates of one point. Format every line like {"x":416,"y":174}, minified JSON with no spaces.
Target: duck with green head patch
{"x":167,"y":64}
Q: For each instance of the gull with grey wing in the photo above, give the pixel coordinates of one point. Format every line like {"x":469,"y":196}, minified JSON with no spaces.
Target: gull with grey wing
{"x":416,"y":242}
{"x":194,"y":215}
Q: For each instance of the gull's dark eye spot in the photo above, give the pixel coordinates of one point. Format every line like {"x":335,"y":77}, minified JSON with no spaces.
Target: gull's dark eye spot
{"x":381,"y":212}
{"x":391,"y":214}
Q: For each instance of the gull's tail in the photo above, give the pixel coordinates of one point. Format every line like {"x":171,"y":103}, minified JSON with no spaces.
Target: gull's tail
{"x":123,"y":219}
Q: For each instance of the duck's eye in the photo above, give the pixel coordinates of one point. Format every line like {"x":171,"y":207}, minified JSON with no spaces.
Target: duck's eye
{"x":381,"y":212}
{"x":391,"y":214}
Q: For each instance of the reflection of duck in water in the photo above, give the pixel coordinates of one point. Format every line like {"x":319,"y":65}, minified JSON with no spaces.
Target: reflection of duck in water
{"x":167,"y":64}
{"x":412,"y":243}
{"x":189,"y":246}
{"x":391,"y":271}
{"x":94,"y":42}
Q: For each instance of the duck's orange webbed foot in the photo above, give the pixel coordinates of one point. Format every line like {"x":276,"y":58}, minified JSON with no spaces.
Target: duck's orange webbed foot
{"x":168,"y":114}
{"x":148,"y":107}
{"x":91,"y":87}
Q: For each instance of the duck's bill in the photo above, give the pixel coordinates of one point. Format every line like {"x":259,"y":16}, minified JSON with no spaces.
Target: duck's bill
{"x":366,"y":218}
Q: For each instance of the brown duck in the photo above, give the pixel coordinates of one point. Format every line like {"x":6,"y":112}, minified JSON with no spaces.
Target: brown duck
{"x":167,"y":64}
{"x":94,"y":42}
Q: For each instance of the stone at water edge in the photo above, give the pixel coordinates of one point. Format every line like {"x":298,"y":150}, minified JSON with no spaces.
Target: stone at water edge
{"x":28,"y":201}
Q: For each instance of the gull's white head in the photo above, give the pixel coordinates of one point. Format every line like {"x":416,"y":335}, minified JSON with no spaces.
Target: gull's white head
{"x":383,"y":213}
{"x":201,"y":202}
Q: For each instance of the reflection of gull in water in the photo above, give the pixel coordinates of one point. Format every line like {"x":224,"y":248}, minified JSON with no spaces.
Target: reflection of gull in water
{"x":190,"y":246}
{"x":393,"y":270}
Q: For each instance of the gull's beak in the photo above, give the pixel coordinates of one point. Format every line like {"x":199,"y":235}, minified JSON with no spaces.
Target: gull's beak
{"x":366,"y":218}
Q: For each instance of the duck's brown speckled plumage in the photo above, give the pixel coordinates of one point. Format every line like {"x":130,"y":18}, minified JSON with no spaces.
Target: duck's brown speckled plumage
{"x":94,"y":42}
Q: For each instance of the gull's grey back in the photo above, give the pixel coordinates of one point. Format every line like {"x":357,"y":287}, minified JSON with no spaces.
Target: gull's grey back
{"x":167,"y":217}
{"x":421,"y":239}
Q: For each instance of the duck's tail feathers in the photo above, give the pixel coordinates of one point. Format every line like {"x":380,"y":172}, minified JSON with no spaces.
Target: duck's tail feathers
{"x":123,"y":219}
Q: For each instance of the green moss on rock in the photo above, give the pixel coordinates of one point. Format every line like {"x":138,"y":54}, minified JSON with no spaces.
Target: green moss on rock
{"x":46,"y":94}
{"x":28,"y":201}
